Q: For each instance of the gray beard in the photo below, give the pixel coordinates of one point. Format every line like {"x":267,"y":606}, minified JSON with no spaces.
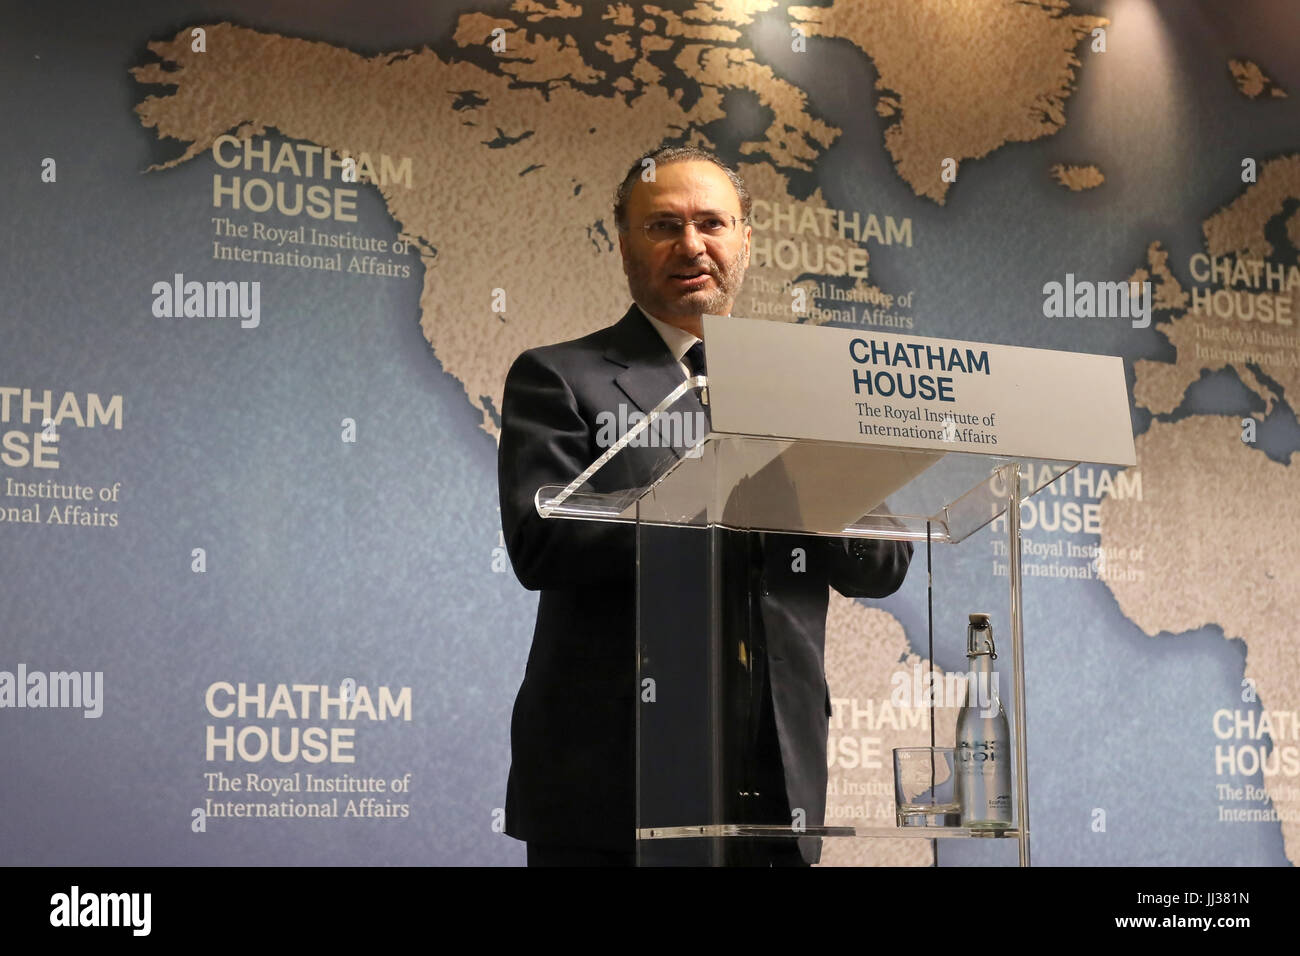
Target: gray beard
{"x":729,"y":282}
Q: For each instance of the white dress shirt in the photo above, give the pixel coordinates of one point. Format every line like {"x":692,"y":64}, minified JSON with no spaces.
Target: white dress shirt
{"x":679,"y":341}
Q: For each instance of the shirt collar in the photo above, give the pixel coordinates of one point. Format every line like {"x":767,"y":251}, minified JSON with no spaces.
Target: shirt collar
{"x":679,"y":341}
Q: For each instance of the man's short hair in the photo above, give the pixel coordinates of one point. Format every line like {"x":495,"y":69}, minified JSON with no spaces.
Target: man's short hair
{"x":663,"y":156}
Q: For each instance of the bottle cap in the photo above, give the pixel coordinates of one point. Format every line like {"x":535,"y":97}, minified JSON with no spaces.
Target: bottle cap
{"x":979,"y":637}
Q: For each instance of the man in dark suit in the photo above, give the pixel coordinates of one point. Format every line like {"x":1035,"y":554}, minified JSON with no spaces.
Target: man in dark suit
{"x":685,"y":247}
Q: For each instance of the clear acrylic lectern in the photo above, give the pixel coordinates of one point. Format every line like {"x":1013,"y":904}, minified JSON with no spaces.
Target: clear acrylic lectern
{"x":712,"y":513}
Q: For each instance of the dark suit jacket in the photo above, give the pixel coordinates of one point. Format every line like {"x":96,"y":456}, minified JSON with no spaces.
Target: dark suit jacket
{"x":573,"y":728}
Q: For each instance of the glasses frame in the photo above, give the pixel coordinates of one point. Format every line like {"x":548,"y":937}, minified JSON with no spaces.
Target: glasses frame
{"x":646,"y":224}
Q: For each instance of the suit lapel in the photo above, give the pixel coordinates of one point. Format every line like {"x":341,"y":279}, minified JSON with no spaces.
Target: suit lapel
{"x":647,"y":371}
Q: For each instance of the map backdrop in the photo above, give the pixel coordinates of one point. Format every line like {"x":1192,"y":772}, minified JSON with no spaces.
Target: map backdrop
{"x":266,"y":264}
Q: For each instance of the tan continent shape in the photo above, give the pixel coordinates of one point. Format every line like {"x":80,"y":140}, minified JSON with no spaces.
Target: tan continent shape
{"x":1238,"y":228}
{"x":1077,"y":178}
{"x":1217,"y":523}
{"x":526,"y":55}
{"x":793,"y":139}
{"x":1251,"y":80}
{"x":521,"y":218}
{"x":959,"y":79}
{"x":535,"y":11}
{"x":1208,"y":342}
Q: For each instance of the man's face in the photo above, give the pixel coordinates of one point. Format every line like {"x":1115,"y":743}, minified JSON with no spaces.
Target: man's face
{"x":694,"y":273}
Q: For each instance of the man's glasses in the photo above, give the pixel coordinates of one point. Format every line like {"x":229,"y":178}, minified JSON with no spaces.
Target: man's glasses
{"x":713,"y":225}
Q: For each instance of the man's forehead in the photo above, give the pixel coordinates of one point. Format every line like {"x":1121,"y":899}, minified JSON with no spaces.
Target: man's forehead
{"x":695,"y":183}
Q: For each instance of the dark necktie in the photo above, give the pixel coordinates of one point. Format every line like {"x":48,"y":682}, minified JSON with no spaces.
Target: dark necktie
{"x":694,"y":359}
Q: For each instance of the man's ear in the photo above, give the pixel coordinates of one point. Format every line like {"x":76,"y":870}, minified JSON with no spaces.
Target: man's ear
{"x":622,"y":249}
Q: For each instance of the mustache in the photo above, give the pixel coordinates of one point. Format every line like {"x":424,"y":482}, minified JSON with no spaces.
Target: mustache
{"x":707,"y":265}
